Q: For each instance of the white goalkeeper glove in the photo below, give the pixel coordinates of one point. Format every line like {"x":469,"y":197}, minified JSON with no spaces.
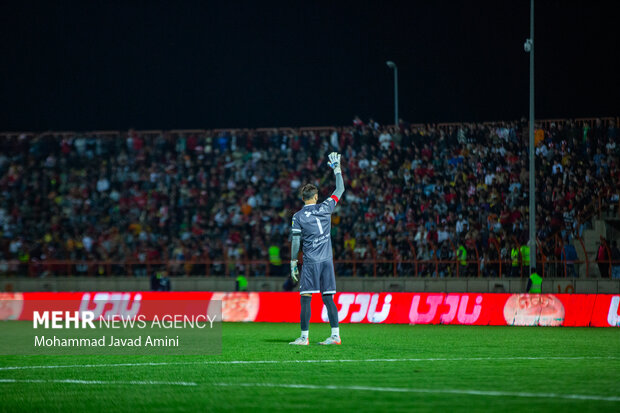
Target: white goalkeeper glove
{"x":334,"y":162}
{"x":294,"y":270}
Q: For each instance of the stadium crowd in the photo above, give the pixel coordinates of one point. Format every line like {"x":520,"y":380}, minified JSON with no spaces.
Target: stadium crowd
{"x":412,"y":192}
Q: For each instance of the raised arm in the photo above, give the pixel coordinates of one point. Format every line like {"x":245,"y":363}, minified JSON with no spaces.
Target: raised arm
{"x":334,"y":163}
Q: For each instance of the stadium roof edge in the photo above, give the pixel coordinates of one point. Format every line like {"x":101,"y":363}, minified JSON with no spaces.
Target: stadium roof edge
{"x":288,"y":128}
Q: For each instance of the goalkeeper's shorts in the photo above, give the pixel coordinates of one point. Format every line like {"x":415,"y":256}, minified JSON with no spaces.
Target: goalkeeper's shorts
{"x":317,"y":277}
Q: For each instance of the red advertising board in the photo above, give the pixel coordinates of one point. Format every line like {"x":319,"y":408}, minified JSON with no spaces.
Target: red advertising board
{"x":597,"y":310}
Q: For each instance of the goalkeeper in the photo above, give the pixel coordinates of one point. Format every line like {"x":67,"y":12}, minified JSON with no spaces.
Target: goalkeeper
{"x":313,"y":225}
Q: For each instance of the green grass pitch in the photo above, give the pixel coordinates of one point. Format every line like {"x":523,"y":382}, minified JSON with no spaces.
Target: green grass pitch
{"x":377,"y":368}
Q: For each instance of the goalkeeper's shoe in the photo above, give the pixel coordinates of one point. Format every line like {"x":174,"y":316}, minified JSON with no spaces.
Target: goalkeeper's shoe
{"x":331,"y":340}
{"x":301,"y":341}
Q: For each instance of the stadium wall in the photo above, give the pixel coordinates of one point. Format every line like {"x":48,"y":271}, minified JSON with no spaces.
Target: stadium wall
{"x":378,"y":284}
{"x":574,"y":310}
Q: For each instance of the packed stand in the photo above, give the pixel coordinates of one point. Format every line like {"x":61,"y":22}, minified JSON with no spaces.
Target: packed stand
{"x":438,"y":194}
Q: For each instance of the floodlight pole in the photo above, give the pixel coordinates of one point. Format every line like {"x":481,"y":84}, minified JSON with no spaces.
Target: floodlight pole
{"x":529,"y":47}
{"x":392,"y":65}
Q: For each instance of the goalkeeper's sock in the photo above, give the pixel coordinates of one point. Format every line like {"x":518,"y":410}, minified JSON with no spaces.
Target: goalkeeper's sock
{"x":332,"y":311}
{"x":304,"y":334}
{"x":304,"y":315}
{"x":336,"y":331}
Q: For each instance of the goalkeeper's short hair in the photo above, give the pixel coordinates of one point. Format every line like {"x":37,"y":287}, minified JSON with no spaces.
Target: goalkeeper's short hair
{"x":308,"y":191}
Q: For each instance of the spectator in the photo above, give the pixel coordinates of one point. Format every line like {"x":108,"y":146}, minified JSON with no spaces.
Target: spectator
{"x":385,"y":140}
{"x":160,"y":281}
{"x":461,"y":257}
{"x":515,"y":256}
{"x":525,"y":256}
{"x":570,"y":255}
{"x":534,"y":283}
{"x":602,"y":258}
{"x":461,"y":225}
{"x":274,"y":258}
{"x":615,"y":260}
{"x":164,"y":282}
{"x":241,"y":283}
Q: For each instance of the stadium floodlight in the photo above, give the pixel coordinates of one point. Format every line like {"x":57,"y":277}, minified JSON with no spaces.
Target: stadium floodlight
{"x":528,"y":46}
{"x":392,"y":65}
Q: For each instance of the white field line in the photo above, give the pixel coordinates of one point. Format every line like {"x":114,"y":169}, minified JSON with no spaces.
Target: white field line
{"x":101,"y":382}
{"x":243,"y":362}
{"x":491,"y":393}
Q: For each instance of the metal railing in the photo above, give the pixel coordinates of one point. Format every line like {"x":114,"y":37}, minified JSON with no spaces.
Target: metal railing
{"x":451,"y":268}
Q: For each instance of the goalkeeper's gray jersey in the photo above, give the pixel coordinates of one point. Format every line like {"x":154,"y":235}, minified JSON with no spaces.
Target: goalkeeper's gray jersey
{"x":314,"y":222}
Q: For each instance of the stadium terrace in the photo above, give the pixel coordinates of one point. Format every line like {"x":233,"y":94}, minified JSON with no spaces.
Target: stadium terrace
{"x":212,"y":202}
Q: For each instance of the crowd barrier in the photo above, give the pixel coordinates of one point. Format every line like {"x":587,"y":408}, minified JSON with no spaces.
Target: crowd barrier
{"x":574,"y":310}
{"x":370,"y":267}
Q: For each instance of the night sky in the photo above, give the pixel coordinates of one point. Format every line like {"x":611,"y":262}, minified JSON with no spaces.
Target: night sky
{"x":182,"y":64}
